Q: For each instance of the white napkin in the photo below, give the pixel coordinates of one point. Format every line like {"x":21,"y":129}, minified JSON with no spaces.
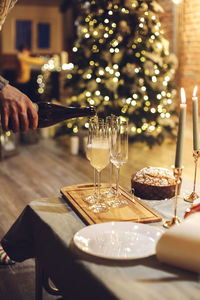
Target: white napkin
{"x":180,"y":245}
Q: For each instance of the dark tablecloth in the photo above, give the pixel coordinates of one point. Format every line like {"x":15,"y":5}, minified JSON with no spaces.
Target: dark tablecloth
{"x":45,"y":230}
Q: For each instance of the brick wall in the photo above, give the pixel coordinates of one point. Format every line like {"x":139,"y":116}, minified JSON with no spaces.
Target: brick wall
{"x":189,"y":72}
{"x":183,"y":34}
{"x":167,"y":21}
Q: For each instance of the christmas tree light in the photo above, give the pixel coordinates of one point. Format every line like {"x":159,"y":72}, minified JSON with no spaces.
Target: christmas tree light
{"x":122,"y":65}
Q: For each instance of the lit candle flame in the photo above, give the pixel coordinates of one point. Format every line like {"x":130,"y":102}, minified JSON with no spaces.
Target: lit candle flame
{"x":195,"y":91}
{"x":177,"y":1}
{"x":183,"y":98}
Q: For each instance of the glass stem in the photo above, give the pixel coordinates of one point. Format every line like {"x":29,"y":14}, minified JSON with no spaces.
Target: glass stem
{"x":111,"y":175}
{"x":95,"y":182}
{"x":98,"y":180}
{"x":117,"y":182}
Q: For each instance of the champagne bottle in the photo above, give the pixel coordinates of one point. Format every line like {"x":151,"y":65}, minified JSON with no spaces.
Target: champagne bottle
{"x":50,"y":114}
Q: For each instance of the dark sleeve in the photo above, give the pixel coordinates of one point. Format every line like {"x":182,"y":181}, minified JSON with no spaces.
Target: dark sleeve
{"x":3,"y":82}
{"x":18,"y":241}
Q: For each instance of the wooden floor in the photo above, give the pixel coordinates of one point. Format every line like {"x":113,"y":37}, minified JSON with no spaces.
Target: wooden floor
{"x":40,"y":170}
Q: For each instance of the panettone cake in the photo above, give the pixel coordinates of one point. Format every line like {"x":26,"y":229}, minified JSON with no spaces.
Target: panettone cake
{"x":154,"y":183}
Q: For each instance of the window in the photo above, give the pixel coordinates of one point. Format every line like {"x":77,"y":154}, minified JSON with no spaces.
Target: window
{"x":43,"y":34}
{"x":38,"y":26}
{"x":23,"y":33}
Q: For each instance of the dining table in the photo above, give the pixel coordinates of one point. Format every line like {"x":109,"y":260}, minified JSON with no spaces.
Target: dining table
{"x":45,"y":230}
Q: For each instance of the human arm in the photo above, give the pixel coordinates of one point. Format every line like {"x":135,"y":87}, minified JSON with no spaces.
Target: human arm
{"x":31,"y":60}
{"x":16,"y":109}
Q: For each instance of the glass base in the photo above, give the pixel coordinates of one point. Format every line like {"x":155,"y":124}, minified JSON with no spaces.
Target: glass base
{"x":117,"y":202}
{"x":110,"y":193}
{"x":98,"y":207}
{"x":91,"y":199}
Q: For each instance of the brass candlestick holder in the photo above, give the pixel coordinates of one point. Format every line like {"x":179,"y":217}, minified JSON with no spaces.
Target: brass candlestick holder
{"x":193,"y":196}
{"x":175,"y":219}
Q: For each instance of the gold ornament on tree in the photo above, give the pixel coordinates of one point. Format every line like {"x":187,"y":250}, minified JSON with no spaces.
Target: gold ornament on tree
{"x":100,"y":11}
{"x":149,"y":68}
{"x":131,"y":4}
{"x":143,"y":7}
{"x":111,"y":85}
{"x":119,"y":37}
{"x":129,"y":69}
{"x":124,"y":27}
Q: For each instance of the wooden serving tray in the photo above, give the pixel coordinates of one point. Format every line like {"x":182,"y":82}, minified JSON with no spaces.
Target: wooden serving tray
{"x":135,"y":211}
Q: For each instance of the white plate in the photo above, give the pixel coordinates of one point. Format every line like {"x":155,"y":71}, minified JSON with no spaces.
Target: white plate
{"x":118,"y":240}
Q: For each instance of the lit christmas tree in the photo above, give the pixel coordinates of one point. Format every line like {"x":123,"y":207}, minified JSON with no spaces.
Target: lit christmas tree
{"x":122,"y":65}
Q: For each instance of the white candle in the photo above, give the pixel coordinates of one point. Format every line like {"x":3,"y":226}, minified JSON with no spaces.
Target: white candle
{"x":74,"y":145}
{"x":195,"y":120}
{"x":181,"y":129}
{"x":64,"y":57}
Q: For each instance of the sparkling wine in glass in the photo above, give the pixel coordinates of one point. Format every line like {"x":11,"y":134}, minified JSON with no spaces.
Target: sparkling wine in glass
{"x":99,"y":159}
{"x":92,"y":125}
{"x":100,"y":154}
{"x":119,"y":155}
{"x":88,"y":150}
{"x":91,"y":198}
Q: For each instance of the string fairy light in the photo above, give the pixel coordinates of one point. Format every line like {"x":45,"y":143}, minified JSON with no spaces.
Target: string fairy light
{"x":103,"y":41}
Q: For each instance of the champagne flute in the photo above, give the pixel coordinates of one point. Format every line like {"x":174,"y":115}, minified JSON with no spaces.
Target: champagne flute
{"x":91,"y":198}
{"x":119,"y":155}
{"x":111,"y":120}
{"x":99,"y":159}
{"x":92,"y":123}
